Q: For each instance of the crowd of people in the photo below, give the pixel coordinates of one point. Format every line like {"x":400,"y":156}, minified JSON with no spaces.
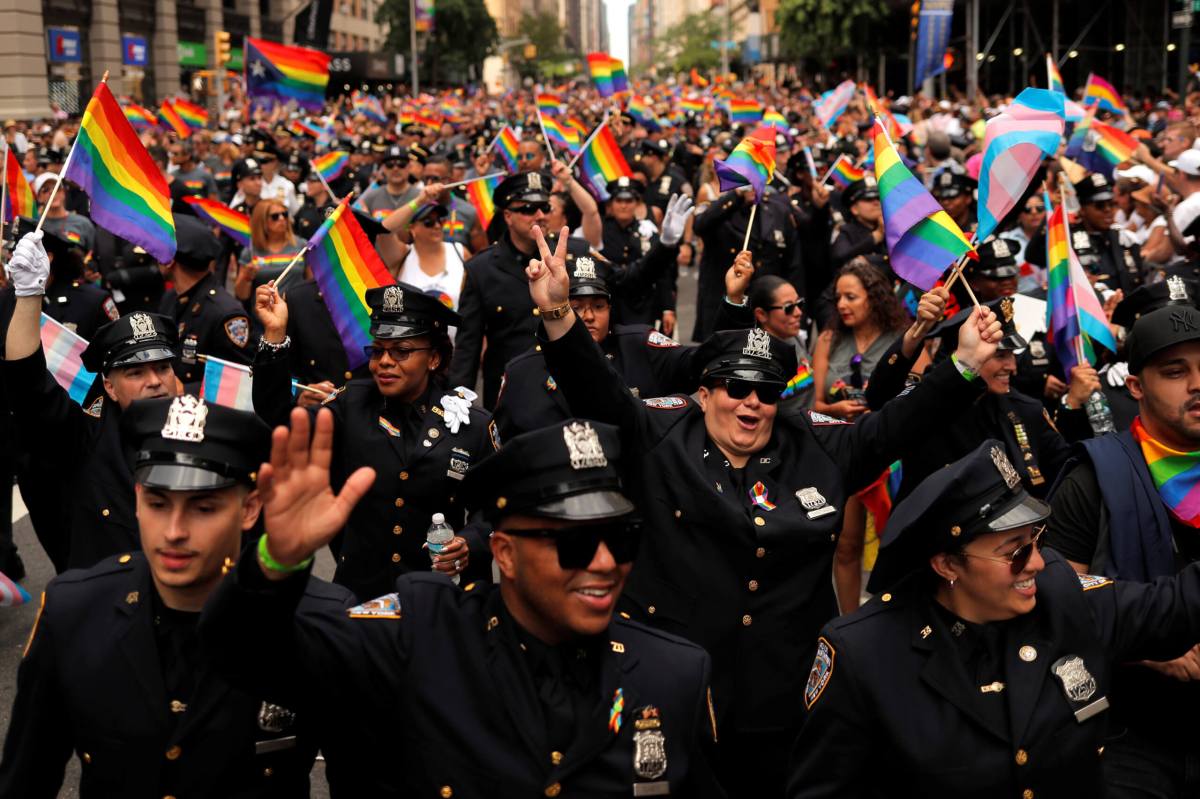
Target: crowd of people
{"x":843,"y":537}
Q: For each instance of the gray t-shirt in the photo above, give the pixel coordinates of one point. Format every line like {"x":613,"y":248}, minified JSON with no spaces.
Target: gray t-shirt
{"x":380,"y":203}
{"x":75,"y":229}
{"x":196,"y":182}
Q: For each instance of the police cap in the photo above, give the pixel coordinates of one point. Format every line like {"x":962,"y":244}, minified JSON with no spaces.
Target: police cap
{"x":1159,"y":330}
{"x":187,"y":444}
{"x":245,"y":168}
{"x":1094,"y":188}
{"x":195,"y":245}
{"x":997,"y":259}
{"x":532,"y":187}
{"x":976,"y":495}
{"x":624,"y":188}
{"x":396,"y":153}
{"x":404,"y":311}
{"x":569,"y":470}
{"x":753,"y":355}
{"x":865,"y":189}
{"x":587,"y":279}
{"x":655,"y":146}
{"x":296,"y":163}
{"x":418,"y":153}
{"x":134,"y":339}
{"x":1175,"y":290}
{"x":952,"y":184}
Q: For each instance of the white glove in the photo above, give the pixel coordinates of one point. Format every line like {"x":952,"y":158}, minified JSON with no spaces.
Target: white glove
{"x":29,"y":266}
{"x":458,"y":408}
{"x":679,"y":208}
{"x":646,"y":228}
{"x":1117,"y":373}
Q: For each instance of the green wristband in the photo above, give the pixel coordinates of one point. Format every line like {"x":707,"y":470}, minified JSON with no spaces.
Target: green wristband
{"x":962,"y":368}
{"x":264,"y":557}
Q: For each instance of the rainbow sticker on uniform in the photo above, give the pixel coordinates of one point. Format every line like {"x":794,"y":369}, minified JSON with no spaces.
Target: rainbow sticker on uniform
{"x":389,"y":428}
{"x":822,"y":670}
{"x":614,"y":712}
{"x":1090,"y":581}
{"x":384,"y":607}
{"x":758,"y":495}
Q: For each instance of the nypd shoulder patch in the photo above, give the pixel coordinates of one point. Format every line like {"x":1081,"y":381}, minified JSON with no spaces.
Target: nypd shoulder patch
{"x":238,"y":330}
{"x":665,"y":403}
{"x":1090,"y":581}
{"x":494,"y":434}
{"x":384,"y":607}
{"x":110,"y":309}
{"x":823,"y":419}
{"x":660,"y":340}
{"x":822,"y":670}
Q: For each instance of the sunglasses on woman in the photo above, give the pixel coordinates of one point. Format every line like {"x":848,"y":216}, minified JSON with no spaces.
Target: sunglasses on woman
{"x":275,"y":217}
{"x":1018,"y":559}
{"x":1035,"y":209}
{"x":788,"y":308}
{"x":577,"y":545}
{"x":398,"y":354}
{"x":431,"y":221}
{"x":768,"y":393}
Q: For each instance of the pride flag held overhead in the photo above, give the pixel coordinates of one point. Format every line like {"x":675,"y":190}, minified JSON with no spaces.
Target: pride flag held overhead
{"x":506,"y":145}
{"x":1099,"y":147}
{"x":194,"y":115}
{"x":369,"y":106}
{"x":562,"y":135}
{"x":774,"y":119}
{"x":228,"y":384}
{"x":752,"y":163}
{"x":64,"y":358}
{"x":479,"y":194}
{"x":892,"y":125}
{"x":19,"y":200}
{"x":1014,"y":145}
{"x":1103,"y":95}
{"x":278,"y":73}
{"x":745,"y":112}
{"x":1075,"y":319}
{"x":128,"y":193}
{"x":233,"y":223}
{"x":607,"y":73}
{"x":138,"y":116}
{"x":332,"y":164}
{"x":922,"y":239}
{"x":1053,"y":78}
{"x":643,"y":114}
{"x":170,"y":119}
{"x":602,"y":162}
{"x":549,"y":104}
{"x":345,"y":265}
{"x":832,"y":105}
{"x":844,"y":172}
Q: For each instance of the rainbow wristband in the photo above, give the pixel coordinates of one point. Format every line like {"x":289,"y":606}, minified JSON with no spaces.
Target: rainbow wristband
{"x":264,"y":557}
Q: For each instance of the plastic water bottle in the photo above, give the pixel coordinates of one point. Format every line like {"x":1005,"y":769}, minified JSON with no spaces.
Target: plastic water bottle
{"x":1099,"y":413}
{"x":441,"y":534}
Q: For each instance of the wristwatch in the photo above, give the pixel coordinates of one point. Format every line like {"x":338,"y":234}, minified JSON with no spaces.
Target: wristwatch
{"x":555,"y":313}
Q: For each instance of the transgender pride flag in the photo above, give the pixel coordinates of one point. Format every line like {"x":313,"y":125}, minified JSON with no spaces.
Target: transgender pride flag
{"x":64,"y":360}
{"x":11,"y":594}
{"x":226,"y":383}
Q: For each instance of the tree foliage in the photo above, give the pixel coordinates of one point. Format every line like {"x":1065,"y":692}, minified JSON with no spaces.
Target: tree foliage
{"x":825,"y":29}
{"x":547,"y":36}
{"x":688,"y":43}
{"x":464,"y":33}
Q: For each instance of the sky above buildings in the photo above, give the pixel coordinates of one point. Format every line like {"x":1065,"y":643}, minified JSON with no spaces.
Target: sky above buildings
{"x":618,"y":28}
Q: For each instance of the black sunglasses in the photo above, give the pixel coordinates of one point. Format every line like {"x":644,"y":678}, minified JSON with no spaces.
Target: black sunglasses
{"x":398,"y":354}
{"x":431,"y":221}
{"x":577,"y":545}
{"x":531,"y":209}
{"x":1019,"y":557}
{"x":768,"y":393}
{"x":788,"y":308}
{"x":275,"y":217}
{"x":1035,"y":209}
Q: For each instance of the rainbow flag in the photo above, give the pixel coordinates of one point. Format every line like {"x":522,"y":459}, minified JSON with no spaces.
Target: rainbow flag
{"x":603,"y":162}
{"x":894,"y":129}
{"x":562,"y":135}
{"x":800,"y":381}
{"x":369,"y":106}
{"x":1099,"y":147}
{"x":278,"y":259}
{"x":577,"y":123}
{"x":607,"y":73}
{"x":833,"y":104}
{"x":129,"y":195}
{"x":745,"y":112}
{"x":697,"y":105}
{"x":844,"y":172}
{"x":642,"y":113}
{"x":506,"y":143}
{"x":228,"y":384}
{"x":1103,"y":95}
{"x":331,"y":165}
{"x":1014,"y":145}
{"x":64,"y":358}
{"x":233,"y":223}
{"x":1074,"y":316}
{"x":139,"y":117}
{"x":698,"y":79}
{"x":479,"y":194}
{"x":752,"y":163}
{"x":20,"y":200}
{"x":922,"y":238}
{"x":879,"y":497}
{"x":170,"y":119}
{"x":194,"y":115}
{"x":279,"y":74}
{"x":1176,"y":475}
{"x":549,"y":104}
{"x":345,"y":266}
{"x":774,"y":119}
{"x":1053,"y":78}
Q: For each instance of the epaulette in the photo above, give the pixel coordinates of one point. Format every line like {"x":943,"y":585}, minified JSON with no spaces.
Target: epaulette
{"x":637,"y":628}
{"x":882,"y":603}
{"x":117,"y":564}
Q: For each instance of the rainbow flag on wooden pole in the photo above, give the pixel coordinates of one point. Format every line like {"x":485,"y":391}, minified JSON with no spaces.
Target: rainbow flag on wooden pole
{"x":235,"y":224}
{"x":752,"y":163}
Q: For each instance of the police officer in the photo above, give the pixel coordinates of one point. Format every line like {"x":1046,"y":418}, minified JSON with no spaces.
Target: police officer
{"x":318,"y":204}
{"x":79,"y":305}
{"x":650,"y":364}
{"x":114,"y":670}
{"x":983,"y":651}
{"x":956,"y":193}
{"x":133,"y":357}
{"x":208,"y":319}
{"x":1114,"y":517}
{"x":663,"y":178}
{"x":993,"y":275}
{"x":744,"y":512}
{"x":529,"y":688}
{"x":420,"y":437}
{"x":862,"y":231}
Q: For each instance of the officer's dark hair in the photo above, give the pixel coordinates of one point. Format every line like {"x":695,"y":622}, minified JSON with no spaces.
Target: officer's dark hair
{"x":437,"y":159}
{"x":440,"y":341}
{"x":67,"y":265}
{"x":158,"y":155}
{"x":886,"y":310}
{"x":762,"y":290}
{"x":571,"y":211}
{"x":187,"y":147}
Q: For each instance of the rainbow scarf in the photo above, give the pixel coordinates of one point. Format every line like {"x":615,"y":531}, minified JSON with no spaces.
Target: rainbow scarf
{"x":1175,"y":474}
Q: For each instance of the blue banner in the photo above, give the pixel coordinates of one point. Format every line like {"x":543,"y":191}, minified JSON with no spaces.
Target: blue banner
{"x":133,"y":50}
{"x":63,"y":46}
{"x":933,"y":34}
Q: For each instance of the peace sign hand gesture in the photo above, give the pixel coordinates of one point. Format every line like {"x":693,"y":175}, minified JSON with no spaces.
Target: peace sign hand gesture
{"x":549,"y":285}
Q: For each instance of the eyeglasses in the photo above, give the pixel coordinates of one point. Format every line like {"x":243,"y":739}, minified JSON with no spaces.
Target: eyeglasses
{"x":275,"y":217}
{"x":788,"y":308}
{"x":577,"y":545}
{"x":1035,"y":209}
{"x":531,"y":209}
{"x":530,"y":156}
{"x":1018,"y":559}
{"x":768,"y":393}
{"x":398,"y":354}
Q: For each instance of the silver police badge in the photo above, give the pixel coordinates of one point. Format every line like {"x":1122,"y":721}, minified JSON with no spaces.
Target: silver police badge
{"x":142,"y":326}
{"x":649,"y":744}
{"x":1077,"y":681}
{"x":758,"y":343}
{"x":534,"y":181}
{"x":814,"y":502}
{"x":583,"y":446}
{"x":1000,"y":249}
{"x":585,"y":268}
{"x":1037,"y":348}
{"x":275,"y":718}
{"x":1005,"y":467}
{"x":1080,"y":240}
{"x":1176,"y":289}
{"x":393,"y":299}
{"x":185,"y":419}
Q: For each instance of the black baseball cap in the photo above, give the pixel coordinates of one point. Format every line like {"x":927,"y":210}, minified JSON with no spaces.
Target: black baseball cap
{"x":1160,"y":330}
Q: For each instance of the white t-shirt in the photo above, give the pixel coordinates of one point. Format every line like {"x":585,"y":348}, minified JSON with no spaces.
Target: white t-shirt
{"x":1185,"y":214}
{"x":448,"y":284}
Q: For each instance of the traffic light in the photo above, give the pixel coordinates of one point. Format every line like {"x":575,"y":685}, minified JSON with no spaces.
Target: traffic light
{"x":530,"y":52}
{"x":916,"y":18}
{"x":221,"y":47}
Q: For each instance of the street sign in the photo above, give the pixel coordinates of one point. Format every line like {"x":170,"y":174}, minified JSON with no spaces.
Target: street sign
{"x":1182,"y":19}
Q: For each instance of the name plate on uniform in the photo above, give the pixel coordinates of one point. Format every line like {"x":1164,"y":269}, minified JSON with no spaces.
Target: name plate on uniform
{"x":1085,"y":713}
{"x":274,"y":745}
{"x":660,"y":788}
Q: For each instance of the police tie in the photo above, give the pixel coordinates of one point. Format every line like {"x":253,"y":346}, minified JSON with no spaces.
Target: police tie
{"x":557,"y":705}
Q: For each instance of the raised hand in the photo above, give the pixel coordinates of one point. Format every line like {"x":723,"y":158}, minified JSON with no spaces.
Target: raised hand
{"x":272,"y":311}
{"x":29,"y":266}
{"x":679,"y":208}
{"x":978,"y":337}
{"x":738,"y":276}
{"x":300,"y":511}
{"x":549,"y":285}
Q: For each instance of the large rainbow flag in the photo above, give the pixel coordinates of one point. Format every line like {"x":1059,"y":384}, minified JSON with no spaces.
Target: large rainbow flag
{"x":345,"y":266}
{"x":129,"y":195}
{"x":603,"y":162}
{"x":922,"y":238}
{"x":1074,"y":316}
{"x":479,"y":194}
{"x":64,"y":358}
{"x":607,"y":73}
{"x":752,"y":163}
{"x":278,"y":73}
{"x":1103,"y":95}
{"x":19,"y":200}
{"x":234,"y":223}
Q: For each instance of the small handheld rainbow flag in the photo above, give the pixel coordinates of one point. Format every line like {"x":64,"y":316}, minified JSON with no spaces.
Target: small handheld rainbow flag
{"x":194,"y":115}
{"x":139,"y":117}
{"x":752,"y":163}
{"x":64,"y":358}
{"x":234,"y":223}
{"x":603,"y":162}
{"x":642,"y":113}
{"x":696,"y":105}
{"x":226,"y":383}
{"x":278,"y":73}
{"x":20,"y":200}
{"x":879,"y":497}
{"x":345,"y":266}
{"x":1074,"y":316}
{"x":894,"y":129}
{"x":479,"y":194}
{"x":1103,"y":95}
{"x":745,"y":112}
{"x":844,"y":172}
{"x":922,"y":238}
{"x":562,"y":135}
{"x":800,"y":381}
{"x":331,"y":165}
{"x":549,"y":104}
{"x":774,"y":119}
{"x":369,"y":106}
{"x":607,"y":73}
{"x":129,"y":195}
{"x":170,"y":119}
{"x":1099,"y":147}
{"x":506,"y":145}
{"x":1054,"y":79}
{"x":698,"y":79}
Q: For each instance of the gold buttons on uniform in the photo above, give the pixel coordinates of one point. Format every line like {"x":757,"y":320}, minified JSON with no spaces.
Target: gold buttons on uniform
{"x":753,"y":585}
{"x":399,"y":502}
{"x":651,"y":610}
{"x":537,"y":347}
{"x":395,"y":557}
{"x":177,"y":706}
{"x":760,"y":521}
{"x":746,"y":620}
{"x":446,"y":792}
{"x":499,"y":308}
{"x":1022,"y":757}
{"x":886,"y":597}
{"x":268,"y":771}
{"x":556,"y":757}
{"x":553,"y":789}
{"x":104,"y":512}
{"x":760,"y":553}
{"x":678,"y":514}
{"x":1027,"y":793}
{"x":174,"y":752}
{"x":501,"y":502}
{"x":348,"y":374}
{"x":397,"y":530}
{"x":1027,"y":653}
{"x":403,"y":475}
{"x":892,"y":360}
{"x":87,"y":758}
{"x":956,"y":531}
{"x":124,"y":558}
{"x":537,"y":312}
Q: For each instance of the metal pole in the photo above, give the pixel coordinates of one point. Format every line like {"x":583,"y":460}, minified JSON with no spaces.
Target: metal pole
{"x":972,"y":49}
{"x":412,"y":46}
{"x":1054,"y":31}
